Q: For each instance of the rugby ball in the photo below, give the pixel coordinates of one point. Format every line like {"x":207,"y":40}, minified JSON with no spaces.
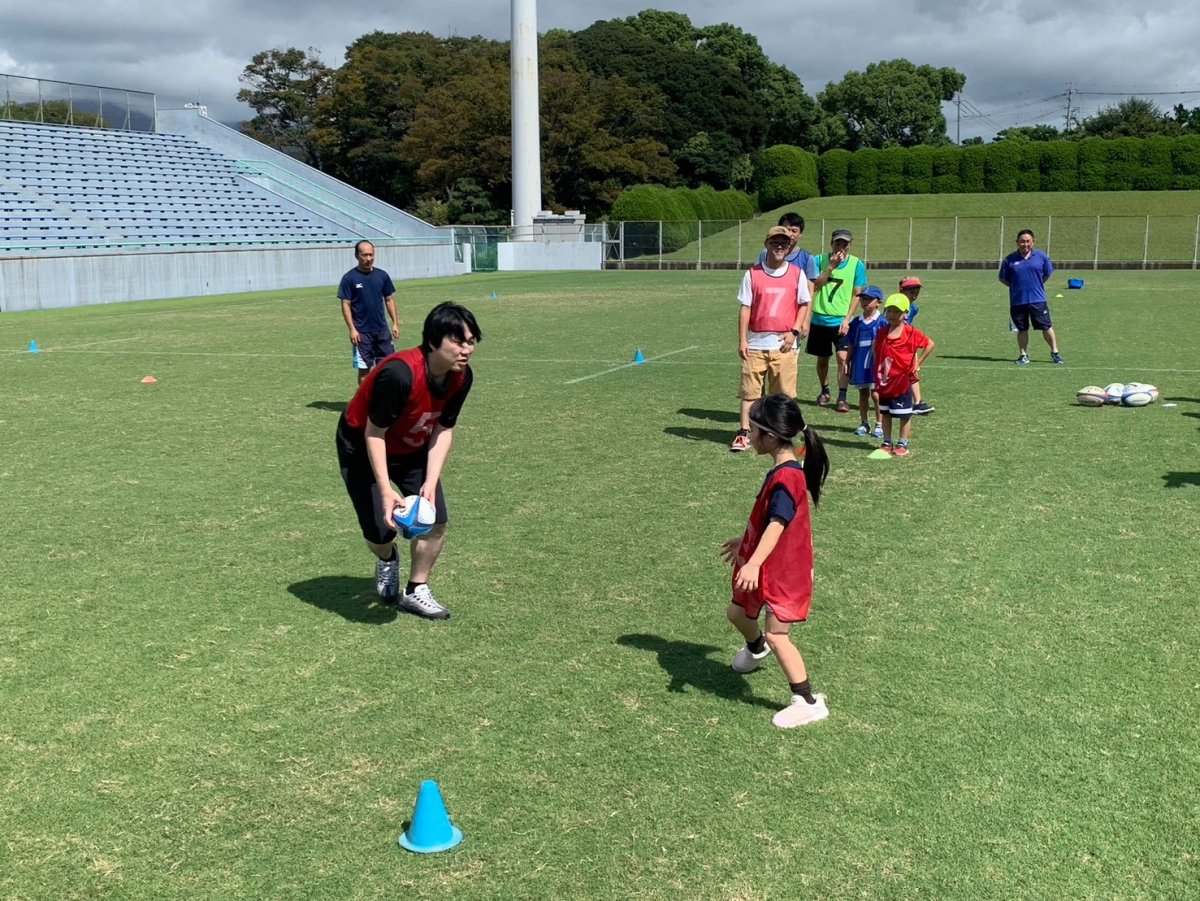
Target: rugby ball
{"x":1153,"y":391}
{"x":414,"y":517}
{"x":1091,"y":396}
{"x":1136,"y":396}
{"x":1114,"y":392}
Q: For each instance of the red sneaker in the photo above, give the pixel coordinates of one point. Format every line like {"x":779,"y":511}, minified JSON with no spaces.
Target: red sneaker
{"x":843,"y":407}
{"x":741,"y":442}
{"x":900,"y":451}
{"x":823,"y":399}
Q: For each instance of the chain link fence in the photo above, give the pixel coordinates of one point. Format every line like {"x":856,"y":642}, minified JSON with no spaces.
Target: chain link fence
{"x":1077,"y":242}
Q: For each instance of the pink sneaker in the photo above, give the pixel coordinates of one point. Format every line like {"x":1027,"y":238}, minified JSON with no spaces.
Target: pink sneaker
{"x":842,"y":407}
{"x":741,"y":442}
{"x":801,"y":713}
{"x":900,"y":451}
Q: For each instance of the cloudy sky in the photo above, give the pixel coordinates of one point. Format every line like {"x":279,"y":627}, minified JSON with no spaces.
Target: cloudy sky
{"x":1018,"y":55}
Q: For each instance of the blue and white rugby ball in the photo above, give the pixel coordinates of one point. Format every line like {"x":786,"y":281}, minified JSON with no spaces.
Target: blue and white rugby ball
{"x":1114,"y":392}
{"x":1137,"y":395}
{"x":414,"y":517}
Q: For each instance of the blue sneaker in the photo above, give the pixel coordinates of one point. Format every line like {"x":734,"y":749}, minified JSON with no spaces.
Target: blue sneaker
{"x":1023,"y":360}
{"x":878,"y":433}
{"x":862,"y":430}
{"x":1056,"y":358}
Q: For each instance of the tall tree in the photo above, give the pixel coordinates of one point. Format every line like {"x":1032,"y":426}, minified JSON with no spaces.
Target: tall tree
{"x":284,"y":88}
{"x":893,"y":103}
{"x":1135,"y":117}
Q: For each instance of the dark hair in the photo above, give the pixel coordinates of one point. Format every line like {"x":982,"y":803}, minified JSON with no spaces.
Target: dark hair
{"x":448,"y":318}
{"x":358,"y":244}
{"x":780,"y":416}
{"x":792,"y":219}
{"x":1026,"y":231}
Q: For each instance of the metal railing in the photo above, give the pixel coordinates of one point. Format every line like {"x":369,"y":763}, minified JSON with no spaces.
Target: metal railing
{"x":484,"y":239}
{"x":65,"y":103}
{"x":1096,"y":242}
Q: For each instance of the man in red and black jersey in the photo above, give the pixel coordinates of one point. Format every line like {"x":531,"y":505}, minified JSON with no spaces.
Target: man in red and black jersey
{"x":398,"y":429}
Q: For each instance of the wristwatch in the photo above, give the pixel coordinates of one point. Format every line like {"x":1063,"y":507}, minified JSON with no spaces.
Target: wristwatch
{"x":795,"y":333}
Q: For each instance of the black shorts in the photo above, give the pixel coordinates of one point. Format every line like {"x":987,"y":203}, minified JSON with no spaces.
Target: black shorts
{"x":900,"y":406}
{"x":824,"y":340}
{"x":1037,"y":313}
{"x":406,"y":473}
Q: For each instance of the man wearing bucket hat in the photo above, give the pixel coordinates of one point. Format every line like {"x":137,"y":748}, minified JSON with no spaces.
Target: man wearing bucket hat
{"x":910,"y":287}
{"x":841,"y":277}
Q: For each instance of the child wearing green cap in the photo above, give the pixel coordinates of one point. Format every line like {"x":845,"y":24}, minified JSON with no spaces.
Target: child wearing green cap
{"x":899,"y":352}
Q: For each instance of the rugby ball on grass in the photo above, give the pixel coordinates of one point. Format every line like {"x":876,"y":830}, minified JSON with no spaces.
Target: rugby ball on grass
{"x":1114,"y":392}
{"x":1091,"y":396}
{"x":414,"y":517}
{"x":1136,"y":396}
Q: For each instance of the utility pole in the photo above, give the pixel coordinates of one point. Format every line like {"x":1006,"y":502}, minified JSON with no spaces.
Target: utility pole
{"x":1072,"y":115}
{"x":958,"y":120}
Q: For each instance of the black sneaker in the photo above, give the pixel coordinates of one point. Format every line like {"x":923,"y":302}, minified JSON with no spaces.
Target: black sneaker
{"x":922,"y":409}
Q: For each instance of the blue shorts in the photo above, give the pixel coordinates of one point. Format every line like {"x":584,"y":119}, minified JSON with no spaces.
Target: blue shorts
{"x":371,"y":348}
{"x":901,"y":405}
{"x":1023,"y":313}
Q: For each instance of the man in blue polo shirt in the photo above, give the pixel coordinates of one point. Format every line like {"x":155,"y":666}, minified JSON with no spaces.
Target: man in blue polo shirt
{"x":1025,"y":272}
{"x":366,"y":293}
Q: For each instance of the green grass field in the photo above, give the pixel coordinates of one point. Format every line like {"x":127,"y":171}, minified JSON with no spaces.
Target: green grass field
{"x":969,"y":228}
{"x":201,"y":698}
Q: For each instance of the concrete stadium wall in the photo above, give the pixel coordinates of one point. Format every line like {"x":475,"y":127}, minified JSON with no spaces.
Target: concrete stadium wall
{"x":520,"y":256}
{"x":45,"y":282}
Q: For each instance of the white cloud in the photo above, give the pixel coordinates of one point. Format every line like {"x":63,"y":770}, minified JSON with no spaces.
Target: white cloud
{"x":1012,"y":51}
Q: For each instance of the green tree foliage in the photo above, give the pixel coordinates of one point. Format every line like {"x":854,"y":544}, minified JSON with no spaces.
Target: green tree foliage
{"x":284,"y":88}
{"x":893,"y":103}
{"x":1030,"y":133}
{"x":1135,"y":117}
{"x":971,"y":169}
{"x":862,"y":175}
{"x":890,"y":166}
{"x":945,"y":178}
{"x":595,"y":140}
{"x":785,"y":174}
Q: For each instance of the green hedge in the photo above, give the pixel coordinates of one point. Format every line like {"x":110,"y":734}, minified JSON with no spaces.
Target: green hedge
{"x":862,"y":176}
{"x":945,"y":171}
{"x":1059,"y":164}
{"x":1093,"y":164}
{"x":1185,"y":162}
{"x":785,"y":174}
{"x":832,"y":168}
{"x":918,"y":170}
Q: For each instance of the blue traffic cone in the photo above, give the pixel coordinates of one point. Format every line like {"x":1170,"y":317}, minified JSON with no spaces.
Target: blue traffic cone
{"x":639,"y":357}
{"x":495,"y":296}
{"x":33,"y":348}
{"x":430,"y":829}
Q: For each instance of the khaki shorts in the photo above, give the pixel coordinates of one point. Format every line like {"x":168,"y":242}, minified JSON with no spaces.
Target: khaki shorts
{"x":776,"y":367}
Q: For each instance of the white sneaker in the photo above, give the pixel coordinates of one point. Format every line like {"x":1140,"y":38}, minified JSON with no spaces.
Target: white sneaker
{"x":422,"y":602}
{"x":387,"y":578}
{"x":746,"y":661}
{"x":801,"y":713}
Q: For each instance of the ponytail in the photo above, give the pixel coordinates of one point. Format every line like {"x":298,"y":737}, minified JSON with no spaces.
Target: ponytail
{"x":816,"y":464}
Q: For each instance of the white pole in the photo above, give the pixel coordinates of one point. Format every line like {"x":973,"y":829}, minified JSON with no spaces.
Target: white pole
{"x":1146,"y":244}
{"x":526,"y":127}
{"x":954,"y":252}
{"x":1196,"y":244}
{"x":1096,"y":258}
{"x":908,"y":262}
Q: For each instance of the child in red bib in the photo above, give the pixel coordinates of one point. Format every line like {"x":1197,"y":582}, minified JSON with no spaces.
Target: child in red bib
{"x":773,"y":560}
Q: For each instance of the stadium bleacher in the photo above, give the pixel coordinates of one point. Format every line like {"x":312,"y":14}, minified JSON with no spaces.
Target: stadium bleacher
{"x":75,"y":187}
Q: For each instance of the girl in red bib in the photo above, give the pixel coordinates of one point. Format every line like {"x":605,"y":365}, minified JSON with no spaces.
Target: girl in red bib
{"x":773,"y":559}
